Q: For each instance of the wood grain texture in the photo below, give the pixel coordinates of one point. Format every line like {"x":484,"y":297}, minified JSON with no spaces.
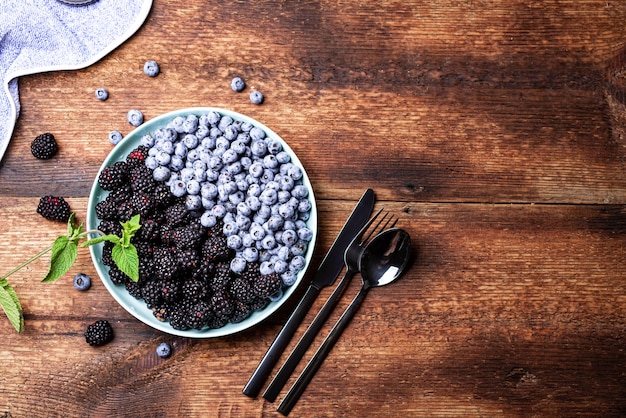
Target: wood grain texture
{"x":496,"y":131}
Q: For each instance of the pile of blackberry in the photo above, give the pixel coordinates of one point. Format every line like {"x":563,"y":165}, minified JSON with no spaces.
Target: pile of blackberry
{"x":184,"y":267}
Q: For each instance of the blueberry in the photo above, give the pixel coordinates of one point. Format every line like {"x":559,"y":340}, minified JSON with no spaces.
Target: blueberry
{"x":238,"y":265}
{"x":288,"y":278}
{"x":250,"y":254}
{"x":178,"y":188}
{"x":151,"y":68}
{"x":224,"y":122}
{"x":266,"y":267}
{"x":289,"y":237}
{"x":237,"y":84}
{"x":190,"y":125}
{"x":193,"y":202}
{"x":297,"y":263}
{"x":257,"y":232}
{"x":115,"y":137}
{"x":280,"y":266}
{"x":102,"y":94}
{"x":305,"y":234}
{"x":134,"y":117}
{"x":256,"y":97}
{"x":191,"y":141}
{"x":276,"y":296}
{"x":151,"y":162}
{"x":193,"y":187}
{"x":268,"y":242}
{"x":208,"y":220}
{"x":164,"y":350}
{"x":161,"y":173}
{"x":147,"y":141}
{"x":257,"y":133}
{"x":163,"y":158}
{"x":230,"y":228}
{"x":82,"y":281}
{"x":176,"y":163}
{"x":234,"y":241}
{"x":258,"y":148}
{"x":283,"y":157}
{"x":213,"y":117}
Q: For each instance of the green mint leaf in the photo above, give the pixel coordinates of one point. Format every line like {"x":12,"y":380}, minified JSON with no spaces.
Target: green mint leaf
{"x":64,"y":253}
{"x":11,"y":306}
{"x":129,"y":229}
{"x":111,"y":238}
{"x":127,"y":260}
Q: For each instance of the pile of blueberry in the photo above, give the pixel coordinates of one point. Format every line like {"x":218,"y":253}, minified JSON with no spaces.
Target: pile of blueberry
{"x":234,"y":174}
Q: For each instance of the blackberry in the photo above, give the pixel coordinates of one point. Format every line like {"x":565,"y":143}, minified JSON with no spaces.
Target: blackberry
{"x":259,"y":303}
{"x":204,"y":271}
{"x":106,"y":209}
{"x":54,"y":208}
{"x":198,"y":315}
{"x":142,"y":203}
{"x":116,"y":275}
{"x":216,"y":249}
{"x":267,"y":284}
{"x":44,"y":146}
{"x":151,"y":294}
{"x":113,"y":176}
{"x":146,"y":266}
{"x":137,"y":157}
{"x":133,"y":288}
{"x":178,"y":316}
{"x":162,"y":195}
{"x":99,"y":333}
{"x":121,"y":194}
{"x":161,"y":312}
{"x":187,"y":259}
{"x":241,"y":312}
{"x":125,"y":211}
{"x":176,"y":214}
{"x":221,"y":277}
{"x":221,"y":304}
{"x":170,"y":290}
{"x":149,"y":230}
{"x":216,"y":322}
{"x":107,"y":248}
{"x":194,"y":290}
{"x":188,"y":236}
{"x":164,"y":263}
{"x":140,"y":178}
{"x":241,"y":290}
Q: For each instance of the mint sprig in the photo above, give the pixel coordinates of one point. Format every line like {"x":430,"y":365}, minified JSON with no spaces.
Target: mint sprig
{"x":64,"y":251}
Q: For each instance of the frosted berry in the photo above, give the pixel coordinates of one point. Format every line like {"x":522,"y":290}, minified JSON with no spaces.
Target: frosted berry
{"x":164,"y":350}
{"x":82,"y":281}
{"x":102,"y":94}
{"x":44,"y":146}
{"x":115,"y":137}
{"x":256,"y":97}
{"x":237,"y":84}
{"x":134,"y":117}
{"x":99,"y":333}
{"x":151,"y":68}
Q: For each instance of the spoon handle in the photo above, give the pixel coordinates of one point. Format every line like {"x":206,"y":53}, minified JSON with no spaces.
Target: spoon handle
{"x":306,"y":340}
{"x":320,"y":355}
{"x":253,"y":387}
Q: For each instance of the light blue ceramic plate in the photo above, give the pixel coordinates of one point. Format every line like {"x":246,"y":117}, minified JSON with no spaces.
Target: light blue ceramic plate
{"x":138,"y":308}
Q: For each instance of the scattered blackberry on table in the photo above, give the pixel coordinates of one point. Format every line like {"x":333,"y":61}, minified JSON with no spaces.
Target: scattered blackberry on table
{"x":151,"y":68}
{"x":256,"y":97}
{"x":82,"y":281}
{"x":44,"y":146}
{"x":102,"y":94}
{"x":164,"y":350}
{"x":99,"y":333}
{"x":237,"y":84}
{"x":54,"y":208}
{"x":113,"y":176}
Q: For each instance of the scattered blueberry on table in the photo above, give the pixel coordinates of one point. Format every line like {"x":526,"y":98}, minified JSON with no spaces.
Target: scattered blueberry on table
{"x":237,"y":84}
{"x":151,"y":68}
{"x":115,"y":137}
{"x":256,"y":97}
{"x":134,"y":117}
{"x":164,"y":350}
{"x":102,"y":94}
{"x":82,"y":282}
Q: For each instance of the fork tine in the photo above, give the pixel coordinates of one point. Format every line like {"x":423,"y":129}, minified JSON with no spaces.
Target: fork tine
{"x":366,"y":227}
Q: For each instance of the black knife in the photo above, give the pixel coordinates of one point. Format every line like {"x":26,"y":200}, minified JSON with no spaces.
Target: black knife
{"x":329,"y":269}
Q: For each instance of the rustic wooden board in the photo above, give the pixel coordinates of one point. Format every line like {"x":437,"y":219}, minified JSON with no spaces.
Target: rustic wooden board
{"x":494,"y":130}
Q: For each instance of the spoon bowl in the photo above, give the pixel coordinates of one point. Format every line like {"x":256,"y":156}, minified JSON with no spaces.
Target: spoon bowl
{"x":385,"y":258}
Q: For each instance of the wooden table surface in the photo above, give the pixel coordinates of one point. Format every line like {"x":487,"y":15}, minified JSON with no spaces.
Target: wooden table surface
{"x":496,"y":131}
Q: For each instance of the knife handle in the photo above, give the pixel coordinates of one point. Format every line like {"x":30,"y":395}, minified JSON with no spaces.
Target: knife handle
{"x":306,"y":340}
{"x":263,"y":370}
{"x":320,"y":355}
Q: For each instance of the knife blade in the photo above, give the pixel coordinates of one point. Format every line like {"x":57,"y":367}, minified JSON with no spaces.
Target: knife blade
{"x":326,"y":274}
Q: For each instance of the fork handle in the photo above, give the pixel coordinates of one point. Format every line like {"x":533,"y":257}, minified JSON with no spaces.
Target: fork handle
{"x":307,"y":338}
{"x":253,"y":387}
{"x":320,"y":355}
